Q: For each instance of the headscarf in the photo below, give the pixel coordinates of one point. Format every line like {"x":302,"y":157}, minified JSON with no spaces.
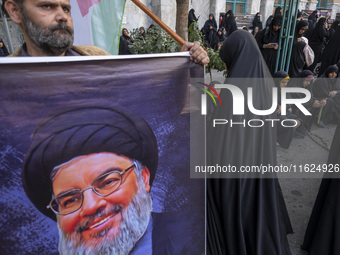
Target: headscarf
{"x":191,"y":17}
{"x":229,"y":22}
{"x":319,"y":31}
{"x":323,"y":85}
{"x":313,"y":17}
{"x":269,"y":20}
{"x":81,"y":129}
{"x":280,"y":76}
{"x":257,"y":22}
{"x":278,"y":11}
{"x":331,"y":69}
{"x":299,"y":25}
{"x":210,"y":22}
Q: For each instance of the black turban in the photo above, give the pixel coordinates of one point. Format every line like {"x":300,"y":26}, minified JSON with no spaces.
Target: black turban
{"x":81,"y":129}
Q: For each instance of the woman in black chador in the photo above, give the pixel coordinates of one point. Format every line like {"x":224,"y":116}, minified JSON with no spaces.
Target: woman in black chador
{"x":268,"y":42}
{"x":297,"y":59}
{"x":323,"y":230}
{"x":209,"y":30}
{"x":311,"y":24}
{"x":305,"y":80}
{"x":286,"y":134}
{"x":244,"y":215}
{"x":229,"y":22}
{"x":327,"y":86}
{"x":333,"y":27}
{"x":192,"y":17}
{"x":257,"y":22}
{"x":331,"y":54}
{"x":319,"y":36}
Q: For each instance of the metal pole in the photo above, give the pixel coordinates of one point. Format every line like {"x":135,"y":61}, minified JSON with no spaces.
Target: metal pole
{"x":292,"y":37}
{"x":159,"y":22}
{"x":4,"y":20}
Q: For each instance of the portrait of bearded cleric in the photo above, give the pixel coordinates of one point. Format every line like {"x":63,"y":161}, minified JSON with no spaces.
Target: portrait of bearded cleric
{"x":90,"y":167}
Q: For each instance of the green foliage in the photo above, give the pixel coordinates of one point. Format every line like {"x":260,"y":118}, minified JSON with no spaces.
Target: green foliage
{"x":215,"y":61}
{"x":195,"y":34}
{"x":156,"y":40}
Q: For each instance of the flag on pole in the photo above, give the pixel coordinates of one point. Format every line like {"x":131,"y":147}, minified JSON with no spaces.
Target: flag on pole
{"x":98,"y":22}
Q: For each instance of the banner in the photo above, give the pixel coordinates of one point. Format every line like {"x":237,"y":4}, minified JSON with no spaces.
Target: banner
{"x":98,"y":22}
{"x":85,"y":140}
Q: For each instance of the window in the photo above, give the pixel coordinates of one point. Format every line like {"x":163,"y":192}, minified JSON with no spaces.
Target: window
{"x":237,"y":6}
{"x":322,"y":4}
{"x":280,"y":3}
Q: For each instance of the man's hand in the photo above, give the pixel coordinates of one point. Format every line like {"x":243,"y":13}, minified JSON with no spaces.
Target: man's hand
{"x":197,"y":53}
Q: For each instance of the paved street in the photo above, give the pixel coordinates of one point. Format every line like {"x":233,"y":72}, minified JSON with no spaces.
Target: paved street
{"x":299,"y":190}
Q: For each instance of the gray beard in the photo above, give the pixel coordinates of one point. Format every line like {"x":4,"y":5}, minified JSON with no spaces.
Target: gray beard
{"x":45,"y":38}
{"x":132,"y":227}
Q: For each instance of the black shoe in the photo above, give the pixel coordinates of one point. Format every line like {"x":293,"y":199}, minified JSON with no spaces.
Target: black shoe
{"x":320,"y":124}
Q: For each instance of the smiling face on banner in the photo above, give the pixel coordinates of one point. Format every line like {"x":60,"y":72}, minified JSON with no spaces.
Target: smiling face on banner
{"x":99,"y":198}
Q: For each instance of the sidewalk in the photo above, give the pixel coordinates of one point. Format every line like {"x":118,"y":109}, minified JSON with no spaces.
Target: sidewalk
{"x":299,"y":191}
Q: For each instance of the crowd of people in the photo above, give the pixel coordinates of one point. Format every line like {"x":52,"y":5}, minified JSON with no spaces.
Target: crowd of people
{"x":237,"y":208}
{"x":213,"y":36}
{"x":312,"y":43}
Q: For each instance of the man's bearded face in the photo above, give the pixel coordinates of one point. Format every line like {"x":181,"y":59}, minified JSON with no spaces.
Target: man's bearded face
{"x":132,"y":228}
{"x":53,"y":38}
{"x":112,"y":223}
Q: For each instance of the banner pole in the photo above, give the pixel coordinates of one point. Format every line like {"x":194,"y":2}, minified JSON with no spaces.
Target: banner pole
{"x":179,"y":39}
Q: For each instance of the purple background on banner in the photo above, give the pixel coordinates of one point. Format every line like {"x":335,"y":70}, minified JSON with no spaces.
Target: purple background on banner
{"x":156,"y":89}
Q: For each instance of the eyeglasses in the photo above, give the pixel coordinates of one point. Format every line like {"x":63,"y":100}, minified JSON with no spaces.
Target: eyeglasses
{"x":103,"y":186}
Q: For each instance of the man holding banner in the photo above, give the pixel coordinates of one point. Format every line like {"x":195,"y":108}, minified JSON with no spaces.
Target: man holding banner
{"x":48,"y":30}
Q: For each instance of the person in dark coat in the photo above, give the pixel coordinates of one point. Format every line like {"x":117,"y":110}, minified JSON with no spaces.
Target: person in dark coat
{"x":301,"y":28}
{"x":313,"y":17}
{"x":305,"y":80}
{"x":297,"y":59}
{"x":323,"y":230}
{"x":285,"y":135}
{"x":327,"y":86}
{"x":192,"y":17}
{"x":229,"y":22}
{"x":244,"y":215}
{"x":209,"y":30}
{"x":319,"y":36}
{"x":268,"y":42}
{"x":278,"y":11}
{"x":269,"y":20}
{"x":219,"y":39}
{"x":125,"y":43}
{"x":333,"y":27}
{"x":3,"y":49}
{"x":331,"y":53}
{"x":257,"y":21}
{"x":255,"y":31}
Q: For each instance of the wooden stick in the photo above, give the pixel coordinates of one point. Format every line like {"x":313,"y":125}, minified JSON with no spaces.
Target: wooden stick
{"x":159,"y":22}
